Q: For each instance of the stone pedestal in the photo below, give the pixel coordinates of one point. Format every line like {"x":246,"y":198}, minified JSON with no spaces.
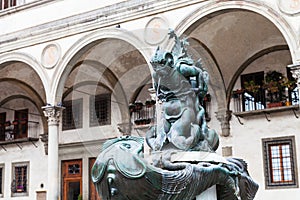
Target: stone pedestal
{"x":209,"y":194}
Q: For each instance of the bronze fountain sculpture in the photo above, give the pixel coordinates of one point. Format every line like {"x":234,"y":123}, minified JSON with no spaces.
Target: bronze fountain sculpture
{"x":176,"y":171}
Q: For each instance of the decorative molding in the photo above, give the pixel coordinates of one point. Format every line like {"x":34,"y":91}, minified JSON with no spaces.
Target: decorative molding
{"x":50,"y":55}
{"x":100,"y":18}
{"x":290,"y":7}
{"x":53,"y":114}
{"x":156,"y":30}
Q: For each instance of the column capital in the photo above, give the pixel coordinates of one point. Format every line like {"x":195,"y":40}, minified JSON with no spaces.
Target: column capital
{"x":53,"y":114}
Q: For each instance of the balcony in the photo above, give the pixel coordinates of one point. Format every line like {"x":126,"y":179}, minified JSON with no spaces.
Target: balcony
{"x":18,"y":131}
{"x":261,"y":92}
{"x":246,"y":103}
{"x":142,"y":113}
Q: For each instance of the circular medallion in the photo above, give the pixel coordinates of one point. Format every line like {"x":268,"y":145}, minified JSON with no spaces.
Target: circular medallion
{"x":290,"y":7}
{"x":156,"y":31}
{"x":50,"y":55}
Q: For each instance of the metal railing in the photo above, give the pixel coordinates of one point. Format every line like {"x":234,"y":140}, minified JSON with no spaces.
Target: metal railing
{"x":142,"y":114}
{"x":11,"y":132}
{"x":244,"y":100}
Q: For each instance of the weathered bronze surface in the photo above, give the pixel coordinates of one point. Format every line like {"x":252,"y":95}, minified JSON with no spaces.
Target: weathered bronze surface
{"x":121,"y":172}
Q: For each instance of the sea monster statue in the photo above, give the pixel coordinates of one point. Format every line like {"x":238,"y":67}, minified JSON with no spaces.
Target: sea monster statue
{"x":177,"y":169}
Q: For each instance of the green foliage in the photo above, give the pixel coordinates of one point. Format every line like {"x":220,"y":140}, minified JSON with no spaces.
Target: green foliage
{"x":251,"y":86}
{"x":275,"y":84}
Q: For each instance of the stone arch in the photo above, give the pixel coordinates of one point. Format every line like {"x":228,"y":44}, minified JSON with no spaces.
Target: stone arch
{"x":247,"y":63}
{"x":31,"y":62}
{"x":114,"y":86}
{"x":258,"y":7}
{"x":211,"y":65}
{"x":64,"y":67}
{"x":186,"y":26}
{"x":72,"y":58}
{"x":34,"y":98}
{"x":139,"y":89}
{"x":78,"y":85}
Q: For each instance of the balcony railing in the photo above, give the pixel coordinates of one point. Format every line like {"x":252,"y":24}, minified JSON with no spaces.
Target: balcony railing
{"x":18,"y":130}
{"x":142,"y":113}
{"x":244,"y":100}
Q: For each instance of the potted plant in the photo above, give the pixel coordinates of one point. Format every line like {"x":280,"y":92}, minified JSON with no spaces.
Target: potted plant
{"x":289,"y":86}
{"x":274,"y":85}
{"x":251,"y":87}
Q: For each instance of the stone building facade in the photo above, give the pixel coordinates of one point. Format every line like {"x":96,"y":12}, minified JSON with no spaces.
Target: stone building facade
{"x":71,"y":70}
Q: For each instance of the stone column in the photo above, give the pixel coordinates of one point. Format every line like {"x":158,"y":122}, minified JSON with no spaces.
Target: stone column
{"x":53,"y":114}
{"x":295,"y":70}
{"x":224,"y":116}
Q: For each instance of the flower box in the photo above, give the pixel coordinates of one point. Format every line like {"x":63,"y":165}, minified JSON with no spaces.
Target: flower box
{"x":275,"y":104}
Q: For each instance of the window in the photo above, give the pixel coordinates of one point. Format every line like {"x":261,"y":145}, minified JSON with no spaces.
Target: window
{"x":20,"y":123}
{"x":72,"y":114}
{"x":20,"y":177}
{"x":7,"y":4}
{"x":100,"y":110}
{"x":1,"y":179}
{"x":280,"y":162}
{"x":2,"y":126}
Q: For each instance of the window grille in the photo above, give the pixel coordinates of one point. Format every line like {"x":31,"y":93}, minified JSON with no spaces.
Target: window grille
{"x":72,"y":114}
{"x":74,"y":169}
{"x":100,"y":110}
{"x":19,"y":184}
{"x":142,"y":113}
{"x":21,"y":178}
{"x":279,"y":162}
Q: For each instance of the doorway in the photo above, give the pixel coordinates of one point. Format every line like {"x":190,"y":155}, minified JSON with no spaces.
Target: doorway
{"x":93,"y":195}
{"x":72,"y":179}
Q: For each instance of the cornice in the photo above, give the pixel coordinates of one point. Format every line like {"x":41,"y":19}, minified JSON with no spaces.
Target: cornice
{"x":85,"y":22}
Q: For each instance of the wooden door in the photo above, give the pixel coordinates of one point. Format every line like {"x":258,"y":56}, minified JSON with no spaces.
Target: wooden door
{"x":72,"y":179}
{"x":93,"y":195}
